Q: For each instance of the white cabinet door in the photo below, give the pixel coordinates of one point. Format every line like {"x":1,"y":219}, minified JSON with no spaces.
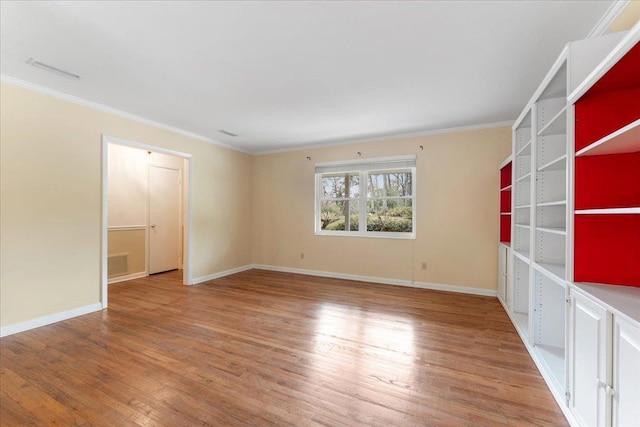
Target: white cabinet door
{"x":626,"y":373}
{"x":588,"y":373}
{"x":503,"y":254}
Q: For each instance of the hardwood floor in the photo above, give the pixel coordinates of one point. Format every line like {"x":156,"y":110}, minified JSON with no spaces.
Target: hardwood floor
{"x":262,"y":348}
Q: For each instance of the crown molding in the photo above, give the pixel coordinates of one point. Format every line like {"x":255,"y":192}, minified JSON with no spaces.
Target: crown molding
{"x":110,"y":110}
{"x":400,"y":135}
{"x":607,"y":19}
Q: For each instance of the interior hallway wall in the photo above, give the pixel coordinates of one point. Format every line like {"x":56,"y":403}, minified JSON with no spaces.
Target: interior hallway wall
{"x":50,"y":208}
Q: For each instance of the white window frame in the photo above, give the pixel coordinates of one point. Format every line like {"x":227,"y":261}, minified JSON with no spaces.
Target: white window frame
{"x":363,"y":168}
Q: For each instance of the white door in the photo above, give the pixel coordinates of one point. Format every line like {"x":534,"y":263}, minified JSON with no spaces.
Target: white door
{"x":589,"y":341}
{"x":626,"y":373}
{"x":164,"y":219}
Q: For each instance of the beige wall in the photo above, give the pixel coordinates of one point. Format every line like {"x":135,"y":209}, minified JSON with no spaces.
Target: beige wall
{"x":50,"y":208}
{"x":457,"y":212}
{"x":131,"y":242}
{"x":629,"y":16}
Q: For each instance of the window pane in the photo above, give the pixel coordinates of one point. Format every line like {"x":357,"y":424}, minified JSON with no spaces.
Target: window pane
{"x":333,"y":186}
{"x":392,"y":215}
{"x":385,"y":184}
{"x":332,"y":215}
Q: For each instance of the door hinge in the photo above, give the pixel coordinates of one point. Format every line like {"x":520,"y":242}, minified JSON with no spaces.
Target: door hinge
{"x":567,"y":396}
{"x":568,"y":300}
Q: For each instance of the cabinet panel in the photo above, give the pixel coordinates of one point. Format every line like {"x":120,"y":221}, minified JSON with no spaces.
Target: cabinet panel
{"x":590,"y":324}
{"x":502,"y":272}
{"x":626,"y":373}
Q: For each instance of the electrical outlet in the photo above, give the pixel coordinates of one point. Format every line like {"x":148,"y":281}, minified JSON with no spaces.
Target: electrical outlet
{"x":301,"y":255}
{"x":424,"y":265}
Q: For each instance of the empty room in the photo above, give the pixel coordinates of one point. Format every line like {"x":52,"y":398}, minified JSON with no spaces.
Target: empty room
{"x":320,"y":213}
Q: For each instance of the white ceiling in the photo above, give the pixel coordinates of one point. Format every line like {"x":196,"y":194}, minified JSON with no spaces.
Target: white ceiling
{"x":288,"y":74}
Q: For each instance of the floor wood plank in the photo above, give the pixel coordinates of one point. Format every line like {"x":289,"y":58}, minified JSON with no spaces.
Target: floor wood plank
{"x":275,"y":349}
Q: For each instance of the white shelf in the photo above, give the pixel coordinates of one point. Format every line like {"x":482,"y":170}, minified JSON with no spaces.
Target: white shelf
{"x":522,"y":321}
{"x":609,"y":211}
{"x":624,"y":300}
{"x":624,"y":140}
{"x":557,"y":125}
{"x":553,"y":357}
{"x":527,"y":226}
{"x":554,"y":203}
{"x":557,"y":270}
{"x":553,"y":230}
{"x":524,"y":178}
{"x":523,"y":255}
{"x":523,"y":207}
{"x":508,"y":187}
{"x":525,"y":150}
{"x":555,"y":165}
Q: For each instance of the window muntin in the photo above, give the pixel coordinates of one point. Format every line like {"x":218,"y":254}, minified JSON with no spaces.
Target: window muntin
{"x":384,"y":202}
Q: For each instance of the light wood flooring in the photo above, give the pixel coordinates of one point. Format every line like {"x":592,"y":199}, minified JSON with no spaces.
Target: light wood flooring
{"x":263,"y":349}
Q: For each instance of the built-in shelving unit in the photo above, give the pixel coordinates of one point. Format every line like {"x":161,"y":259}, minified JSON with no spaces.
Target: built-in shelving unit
{"x":505,"y":201}
{"x":607,"y":176}
{"x":504,"y":245}
{"x":543,"y":215}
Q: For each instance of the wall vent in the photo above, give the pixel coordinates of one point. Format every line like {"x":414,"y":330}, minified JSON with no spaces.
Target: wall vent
{"x":118,"y":265}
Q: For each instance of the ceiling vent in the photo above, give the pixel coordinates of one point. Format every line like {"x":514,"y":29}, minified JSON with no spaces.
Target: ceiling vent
{"x":226,"y":132}
{"x":52,"y":69}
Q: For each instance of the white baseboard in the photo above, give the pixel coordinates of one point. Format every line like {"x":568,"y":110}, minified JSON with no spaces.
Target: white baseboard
{"x":220,"y":274}
{"x":118,"y":279}
{"x":382,"y":280}
{"x":49,"y":319}
{"x":456,"y":288}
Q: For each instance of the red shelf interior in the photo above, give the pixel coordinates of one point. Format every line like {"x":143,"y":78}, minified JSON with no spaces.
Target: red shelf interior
{"x":505,"y":176}
{"x":611,"y":103}
{"x":608,"y":181}
{"x":600,"y":114}
{"x":505,"y":201}
{"x":505,"y":228}
{"x":607,"y":249}
{"x":623,"y":75}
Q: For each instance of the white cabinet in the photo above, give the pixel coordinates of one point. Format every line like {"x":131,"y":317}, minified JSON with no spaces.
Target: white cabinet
{"x":589,"y":338}
{"x":604,"y":355}
{"x":626,"y":373}
{"x":504,"y":272}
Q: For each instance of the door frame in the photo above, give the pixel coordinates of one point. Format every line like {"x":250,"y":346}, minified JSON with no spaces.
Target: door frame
{"x":187,"y":208}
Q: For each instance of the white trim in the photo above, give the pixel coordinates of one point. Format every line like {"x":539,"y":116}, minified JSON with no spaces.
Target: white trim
{"x":385,"y":137}
{"x":608,"y":211}
{"x":506,"y":161}
{"x":367,"y":160}
{"x":603,"y":25}
{"x":132,"y":276}
{"x":380,"y":280}
{"x":345,"y":141}
{"x":49,"y":319}
{"x":456,"y":289}
{"x":126,"y":227}
{"x":188,"y":235}
{"x":110,"y":110}
{"x":104,"y":226}
{"x":220,"y":274}
{"x":621,"y":49}
{"x":559,"y":62}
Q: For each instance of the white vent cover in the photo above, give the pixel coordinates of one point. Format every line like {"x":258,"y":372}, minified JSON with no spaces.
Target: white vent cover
{"x":118,"y":265}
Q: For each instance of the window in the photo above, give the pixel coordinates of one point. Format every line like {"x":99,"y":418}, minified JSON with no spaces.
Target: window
{"x":373,"y":197}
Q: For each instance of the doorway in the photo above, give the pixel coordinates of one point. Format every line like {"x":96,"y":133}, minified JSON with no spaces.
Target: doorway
{"x":171,"y":203}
